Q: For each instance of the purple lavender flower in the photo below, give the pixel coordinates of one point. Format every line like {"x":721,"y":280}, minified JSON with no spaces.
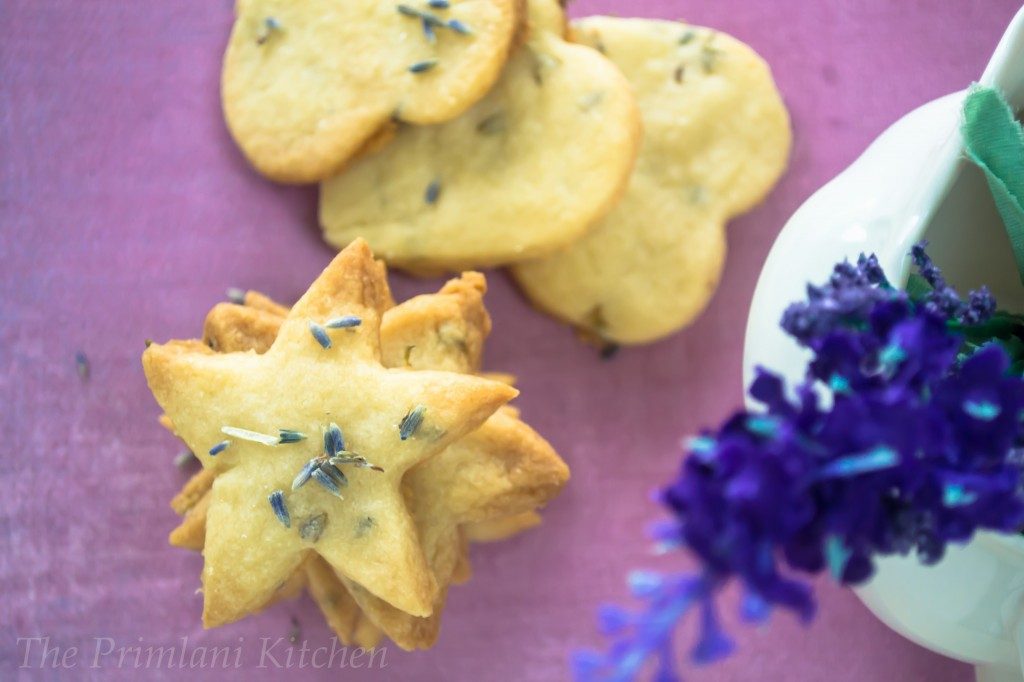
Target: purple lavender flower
{"x":916,"y":446}
{"x":943,"y":299}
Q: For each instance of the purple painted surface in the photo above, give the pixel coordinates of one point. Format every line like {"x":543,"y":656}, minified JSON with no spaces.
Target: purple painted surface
{"x":125,"y":211}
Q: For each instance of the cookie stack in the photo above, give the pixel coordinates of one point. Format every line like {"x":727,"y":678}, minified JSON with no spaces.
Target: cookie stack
{"x":600,"y":161}
{"x":349,"y":447}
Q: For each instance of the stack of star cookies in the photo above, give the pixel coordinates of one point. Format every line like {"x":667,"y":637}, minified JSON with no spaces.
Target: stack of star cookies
{"x":351,"y":447}
{"x":599,"y":160}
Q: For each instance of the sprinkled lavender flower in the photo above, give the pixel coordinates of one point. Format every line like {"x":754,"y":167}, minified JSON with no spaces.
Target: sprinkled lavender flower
{"x":428,"y":31}
{"x":334,"y":441}
{"x":219,"y":448}
{"x":306,"y":472}
{"x":425,"y":65}
{"x":320,"y":334}
{"x":432,"y":21}
{"x":235,"y":295}
{"x":335,"y":474}
{"x":344,"y":322}
{"x":290,"y":436}
{"x":459,"y":27}
{"x":411,"y":422}
{"x":433,"y":192}
{"x":408,"y":11}
{"x":327,"y":482}
{"x":277,"y":503}
{"x":438,"y":4}
{"x":914,"y":449}
{"x":270,"y":26}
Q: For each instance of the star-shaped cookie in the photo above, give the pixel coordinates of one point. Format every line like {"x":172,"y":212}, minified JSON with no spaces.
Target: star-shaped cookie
{"x":323,"y":368}
{"x":503,"y":468}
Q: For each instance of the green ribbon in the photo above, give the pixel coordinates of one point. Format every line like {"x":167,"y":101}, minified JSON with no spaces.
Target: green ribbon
{"x":994,"y":141}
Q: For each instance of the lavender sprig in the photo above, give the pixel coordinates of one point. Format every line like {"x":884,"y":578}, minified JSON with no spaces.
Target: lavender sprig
{"x":919,"y":445}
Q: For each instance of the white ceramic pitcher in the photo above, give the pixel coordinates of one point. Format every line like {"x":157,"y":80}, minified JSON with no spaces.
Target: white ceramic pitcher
{"x":914,"y":183}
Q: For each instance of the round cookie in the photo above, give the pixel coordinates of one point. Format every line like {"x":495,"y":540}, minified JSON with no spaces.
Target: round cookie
{"x":716,"y":139}
{"x":526,"y":171}
{"x":307,"y":83}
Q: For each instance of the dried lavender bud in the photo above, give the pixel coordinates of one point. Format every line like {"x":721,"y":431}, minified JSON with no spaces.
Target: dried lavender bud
{"x":328,"y":483}
{"x":421,"y":67}
{"x":306,"y":472}
{"x":289,"y":436}
{"x":344,"y":322}
{"x":320,"y":334}
{"x":433,"y":192}
{"x":411,"y":422}
{"x":277,"y":503}
{"x":219,"y":448}
{"x":270,"y":26}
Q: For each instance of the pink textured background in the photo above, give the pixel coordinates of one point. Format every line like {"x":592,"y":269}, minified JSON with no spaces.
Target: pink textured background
{"x":125,"y":211}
